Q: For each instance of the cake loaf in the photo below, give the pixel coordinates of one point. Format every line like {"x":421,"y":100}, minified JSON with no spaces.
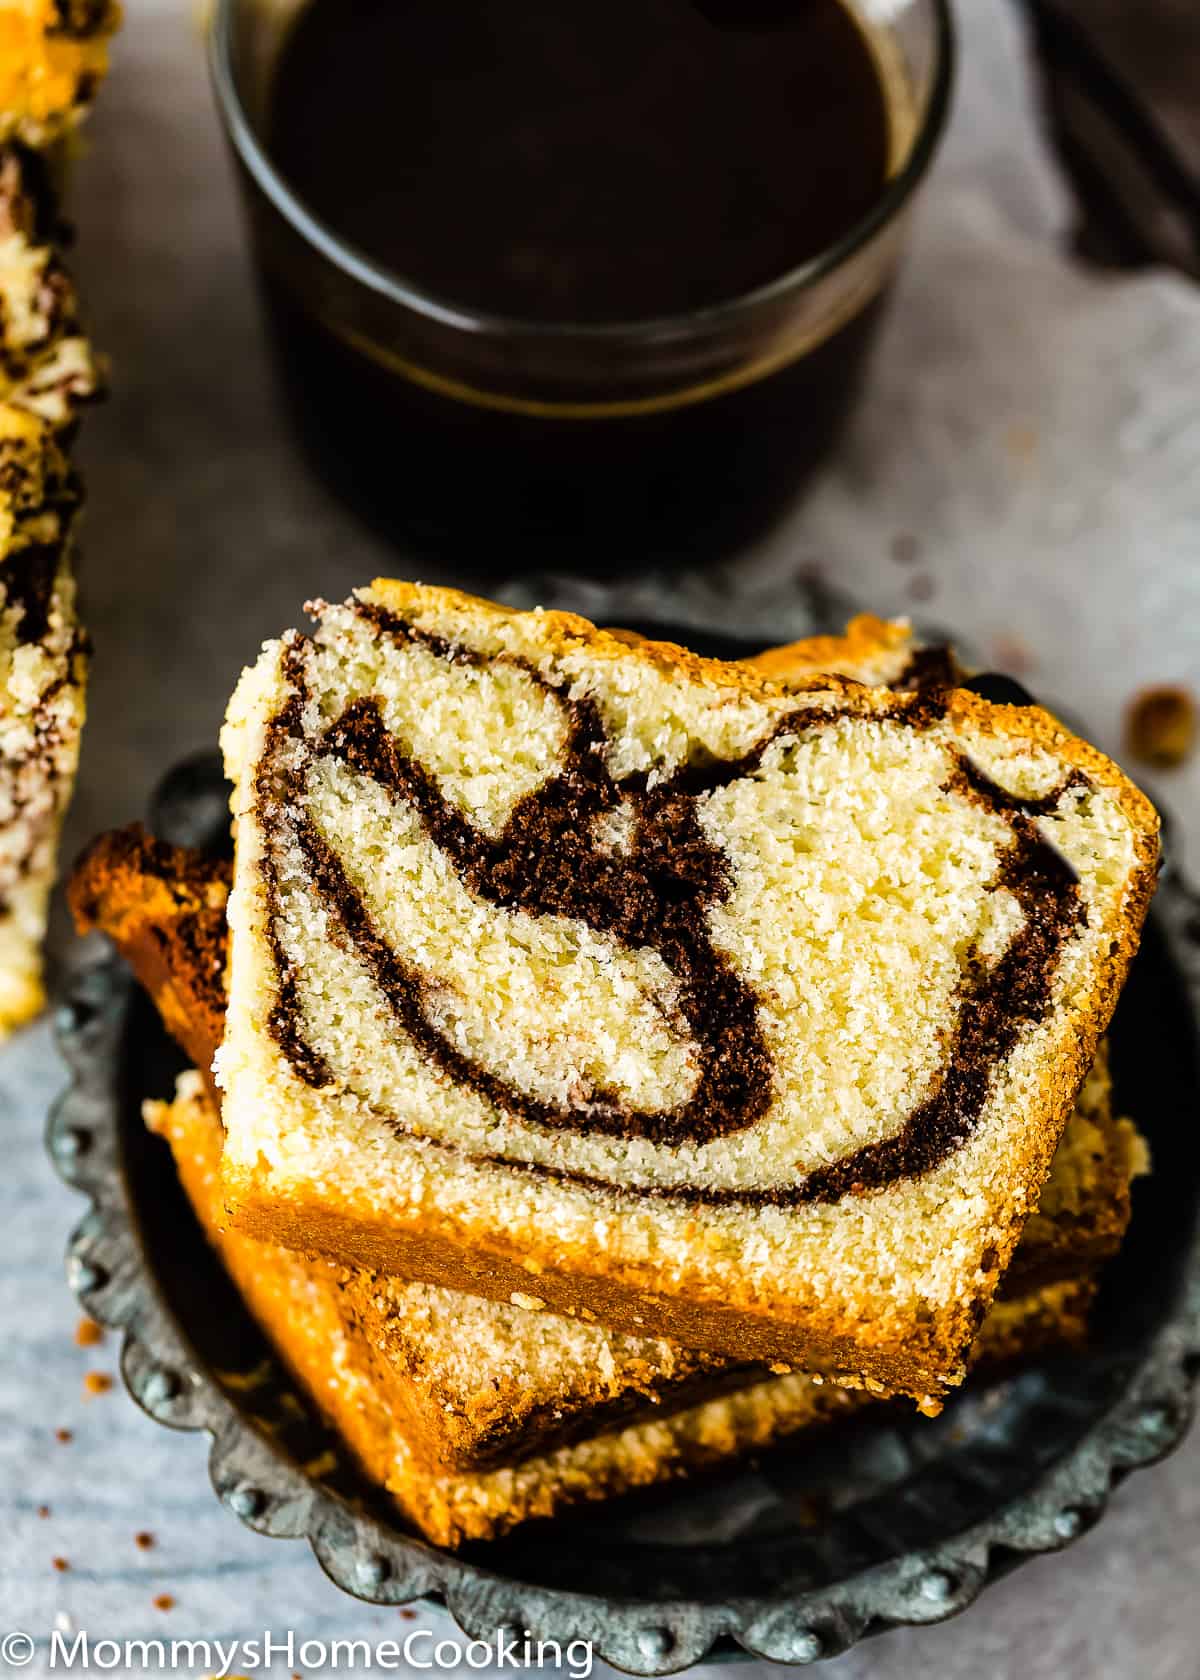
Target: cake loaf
{"x":301,"y":1304}
{"x":46,"y":371}
{"x":479,"y":1380}
{"x":743,"y":1016}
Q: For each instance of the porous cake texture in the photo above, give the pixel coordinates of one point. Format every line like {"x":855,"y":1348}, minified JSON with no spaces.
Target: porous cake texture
{"x":301,"y":1305}
{"x":46,"y":371}
{"x":620,"y":981}
{"x":53,"y":55}
{"x":476,"y":1380}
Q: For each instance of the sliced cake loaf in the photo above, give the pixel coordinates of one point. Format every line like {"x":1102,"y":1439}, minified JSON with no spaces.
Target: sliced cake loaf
{"x":743,"y":1016}
{"x":46,"y":371}
{"x":53,"y":55}
{"x":301,"y":1305}
{"x":478,"y":1380}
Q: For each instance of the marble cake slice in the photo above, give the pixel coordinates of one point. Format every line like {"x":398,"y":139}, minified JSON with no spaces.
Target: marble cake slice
{"x":47,"y":370}
{"x":301,"y":1304}
{"x":633,"y":984}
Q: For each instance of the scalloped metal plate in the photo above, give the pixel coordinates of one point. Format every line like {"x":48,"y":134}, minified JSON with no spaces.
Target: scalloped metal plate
{"x":895,"y":1521}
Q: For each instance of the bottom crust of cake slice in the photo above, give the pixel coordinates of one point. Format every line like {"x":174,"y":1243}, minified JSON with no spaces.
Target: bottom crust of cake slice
{"x":301,"y":1305}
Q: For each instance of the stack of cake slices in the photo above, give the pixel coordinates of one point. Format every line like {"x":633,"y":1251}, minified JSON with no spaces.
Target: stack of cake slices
{"x":51,"y":58}
{"x":609,"y":1061}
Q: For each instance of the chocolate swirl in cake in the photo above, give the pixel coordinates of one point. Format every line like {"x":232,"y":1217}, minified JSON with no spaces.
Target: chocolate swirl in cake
{"x":27,"y":579}
{"x":656,"y":894}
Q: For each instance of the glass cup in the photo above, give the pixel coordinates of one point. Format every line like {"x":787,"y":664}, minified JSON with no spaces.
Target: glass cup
{"x":481,"y":441}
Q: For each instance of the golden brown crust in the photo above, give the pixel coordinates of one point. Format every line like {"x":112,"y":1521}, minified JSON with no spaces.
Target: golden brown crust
{"x":569,"y":628}
{"x":301,"y":1306}
{"x":865,"y":640}
{"x":867,"y":643}
{"x":738,"y":1331}
{"x":164,"y":909}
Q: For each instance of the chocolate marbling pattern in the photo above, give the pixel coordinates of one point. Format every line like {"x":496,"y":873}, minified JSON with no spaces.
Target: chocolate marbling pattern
{"x":654,"y":894}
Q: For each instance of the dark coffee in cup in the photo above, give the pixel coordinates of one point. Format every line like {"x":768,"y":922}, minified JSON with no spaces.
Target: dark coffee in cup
{"x":569,"y":171}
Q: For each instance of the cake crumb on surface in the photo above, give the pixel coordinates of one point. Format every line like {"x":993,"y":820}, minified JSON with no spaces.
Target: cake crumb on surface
{"x":1160,"y":725}
{"x":88,"y":1333}
{"x":97,"y":1382}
